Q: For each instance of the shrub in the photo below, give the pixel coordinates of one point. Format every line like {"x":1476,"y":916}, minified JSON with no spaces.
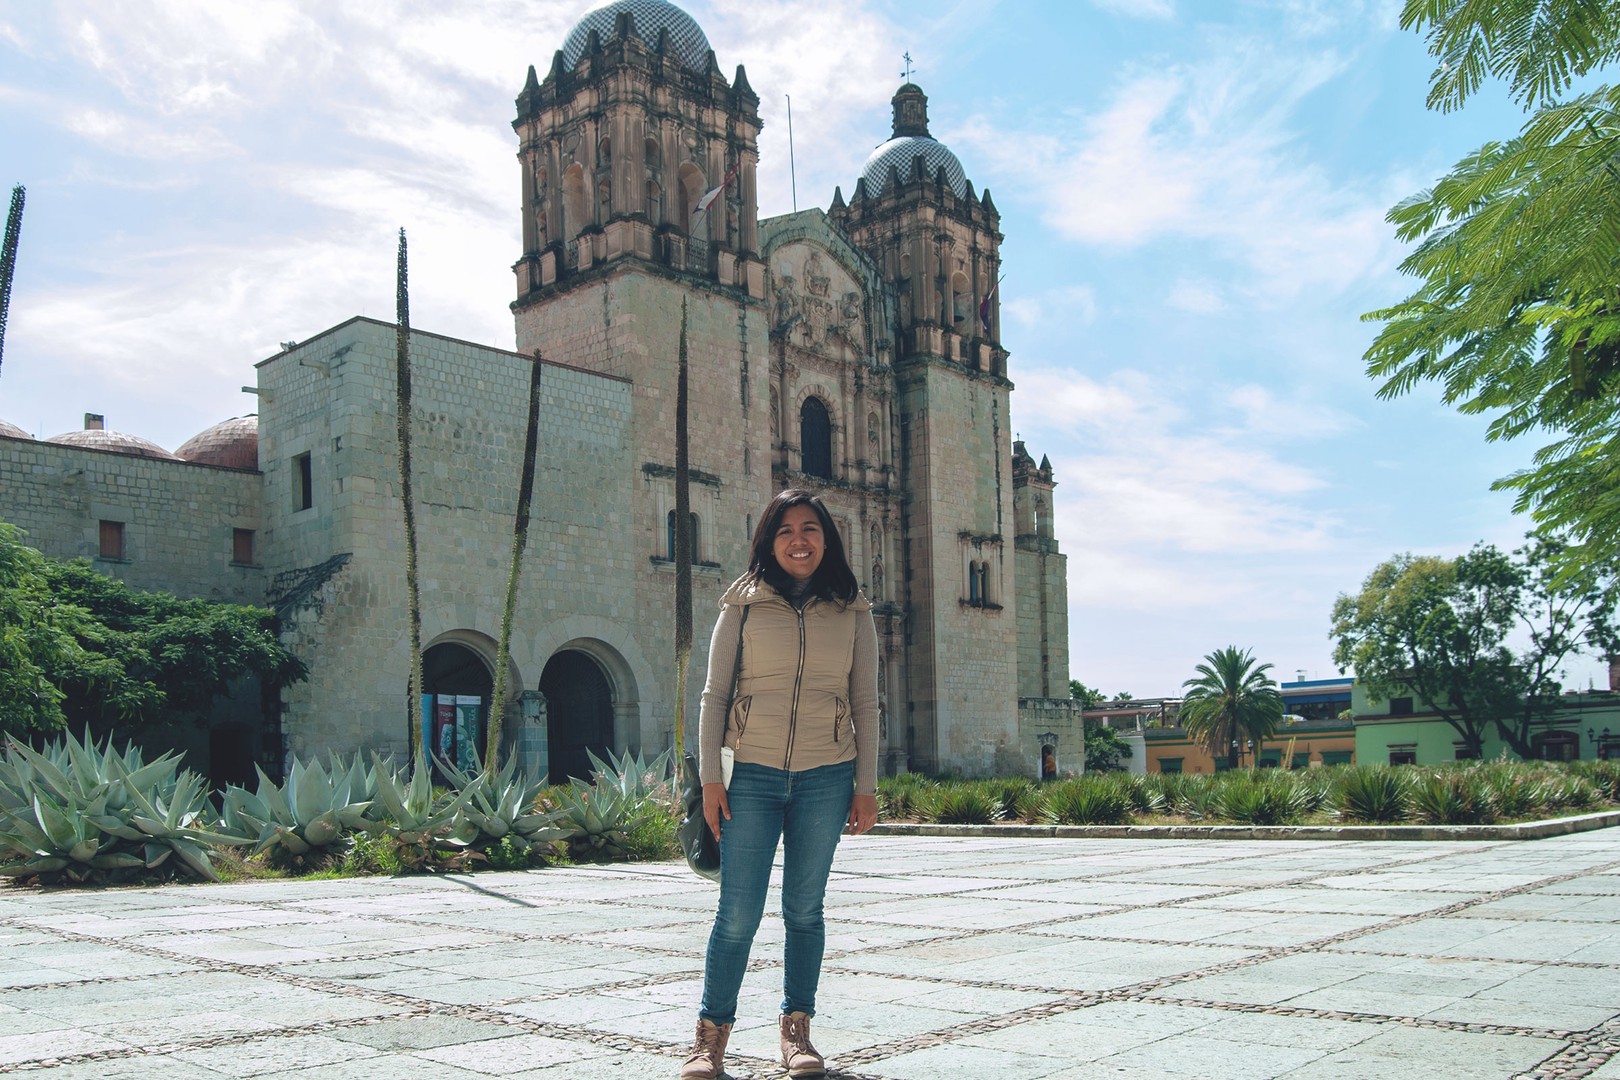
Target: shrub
{"x":1087,"y":801}
{"x":900,"y":796}
{"x":1452,"y":797}
{"x":1261,"y":800}
{"x":1011,"y":796}
{"x":1196,"y":797}
{"x":963,"y":804}
{"x":1373,"y":793}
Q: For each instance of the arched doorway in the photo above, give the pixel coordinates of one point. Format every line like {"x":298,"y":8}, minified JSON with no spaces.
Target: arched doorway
{"x":458,"y":684}
{"x":579,"y":713}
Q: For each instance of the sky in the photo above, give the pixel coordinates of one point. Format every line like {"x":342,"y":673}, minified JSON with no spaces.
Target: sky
{"x":1193,"y":195}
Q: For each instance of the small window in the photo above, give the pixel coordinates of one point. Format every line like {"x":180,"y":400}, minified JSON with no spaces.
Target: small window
{"x":112,"y":540}
{"x":669,"y":536}
{"x":1300,"y":761}
{"x":1400,"y":706}
{"x":1170,"y":764}
{"x":1402,"y":756}
{"x":1337,"y":757}
{"x":973,"y":584}
{"x":984,"y":583}
{"x":242,"y":546}
{"x":303,"y":483}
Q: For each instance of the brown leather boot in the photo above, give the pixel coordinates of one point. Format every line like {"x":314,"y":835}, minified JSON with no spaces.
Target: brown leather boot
{"x":707,"y":1060}
{"x":798,"y":1056}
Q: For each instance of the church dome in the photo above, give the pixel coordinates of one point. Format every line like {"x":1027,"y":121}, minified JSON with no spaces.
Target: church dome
{"x":115,"y":441}
{"x":910,"y":139}
{"x":233,"y":444}
{"x":12,"y":431}
{"x":686,"y":38}
{"x":902,"y":153}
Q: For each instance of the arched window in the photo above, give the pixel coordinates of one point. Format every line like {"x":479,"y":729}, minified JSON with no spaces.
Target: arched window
{"x":815,"y":438}
{"x":669,"y":536}
{"x":604,"y":202}
{"x":973,"y":585}
{"x":655,"y":202}
{"x":984,"y":583}
{"x":690,"y":187}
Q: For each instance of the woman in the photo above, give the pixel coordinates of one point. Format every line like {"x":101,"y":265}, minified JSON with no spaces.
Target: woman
{"x":797,"y":636}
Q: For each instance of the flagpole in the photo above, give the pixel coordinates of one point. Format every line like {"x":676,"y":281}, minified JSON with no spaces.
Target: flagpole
{"x":792,"y":171}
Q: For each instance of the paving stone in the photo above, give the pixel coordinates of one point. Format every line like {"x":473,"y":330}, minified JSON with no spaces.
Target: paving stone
{"x":965,"y":957}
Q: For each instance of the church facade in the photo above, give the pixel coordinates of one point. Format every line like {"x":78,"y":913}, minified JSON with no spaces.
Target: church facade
{"x":855,"y":352}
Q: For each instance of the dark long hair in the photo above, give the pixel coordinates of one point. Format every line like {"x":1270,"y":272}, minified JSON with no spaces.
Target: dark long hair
{"x":833,"y":579}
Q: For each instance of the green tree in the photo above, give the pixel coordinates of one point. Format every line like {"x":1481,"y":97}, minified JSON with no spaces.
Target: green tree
{"x":151,"y":657}
{"x":1230,"y":701}
{"x":1105,"y":751}
{"x":1442,"y":630}
{"x":39,"y":637}
{"x":1517,"y":315}
{"x":1085,"y":695}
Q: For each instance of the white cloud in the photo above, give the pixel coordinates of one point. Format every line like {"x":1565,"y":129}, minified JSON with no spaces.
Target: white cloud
{"x":1205,"y":154}
{"x":1138,"y":9}
{"x":1072,"y":303}
{"x":1196,"y":297}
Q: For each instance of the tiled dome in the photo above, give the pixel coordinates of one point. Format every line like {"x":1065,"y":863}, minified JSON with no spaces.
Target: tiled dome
{"x":233,"y":444}
{"x":686,"y":37}
{"x":12,"y":431}
{"x":115,"y":441}
{"x":901,"y":153}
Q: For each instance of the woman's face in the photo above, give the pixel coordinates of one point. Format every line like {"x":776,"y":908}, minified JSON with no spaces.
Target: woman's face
{"x":799,"y":542}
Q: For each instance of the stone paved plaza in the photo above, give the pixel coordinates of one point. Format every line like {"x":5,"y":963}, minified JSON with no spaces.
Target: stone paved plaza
{"x":948,"y":957}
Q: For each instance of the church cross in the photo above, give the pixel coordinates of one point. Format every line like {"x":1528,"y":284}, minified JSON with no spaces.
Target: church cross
{"x":906,"y":74}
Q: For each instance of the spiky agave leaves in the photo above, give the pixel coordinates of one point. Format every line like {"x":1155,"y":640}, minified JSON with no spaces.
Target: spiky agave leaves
{"x":76,"y":812}
{"x":316,"y":808}
{"x":501,"y":804}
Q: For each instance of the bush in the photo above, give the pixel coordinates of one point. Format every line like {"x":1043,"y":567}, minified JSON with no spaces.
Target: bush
{"x":1262,"y":800}
{"x":962,"y":804}
{"x":1452,"y":797}
{"x":1372,"y":793}
{"x":1087,"y":801}
{"x":901,"y":796}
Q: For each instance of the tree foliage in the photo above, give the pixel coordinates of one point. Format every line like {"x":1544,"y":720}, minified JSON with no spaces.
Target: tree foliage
{"x":1443,"y":630}
{"x":79,"y":647}
{"x":1517,"y":314}
{"x":1231,"y":700}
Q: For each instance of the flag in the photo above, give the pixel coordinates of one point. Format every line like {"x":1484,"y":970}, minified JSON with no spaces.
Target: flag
{"x":714,"y":193}
{"x":984,"y":307}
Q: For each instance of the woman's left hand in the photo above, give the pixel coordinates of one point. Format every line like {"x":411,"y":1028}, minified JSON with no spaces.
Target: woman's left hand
{"x":862,"y":814}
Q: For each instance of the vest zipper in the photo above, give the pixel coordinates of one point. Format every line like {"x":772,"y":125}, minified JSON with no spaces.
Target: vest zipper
{"x":798,"y":681}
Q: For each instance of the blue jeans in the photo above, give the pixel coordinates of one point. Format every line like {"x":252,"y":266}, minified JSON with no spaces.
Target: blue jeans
{"x":806,"y":811}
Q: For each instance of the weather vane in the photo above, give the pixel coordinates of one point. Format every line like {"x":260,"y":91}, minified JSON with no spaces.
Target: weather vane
{"x":906,"y":74}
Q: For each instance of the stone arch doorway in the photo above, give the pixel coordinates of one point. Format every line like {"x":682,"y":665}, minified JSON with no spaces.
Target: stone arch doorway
{"x":458,"y":683}
{"x":579,"y":713}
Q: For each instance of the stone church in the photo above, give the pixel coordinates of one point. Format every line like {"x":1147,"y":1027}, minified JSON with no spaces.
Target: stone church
{"x":855,"y":352}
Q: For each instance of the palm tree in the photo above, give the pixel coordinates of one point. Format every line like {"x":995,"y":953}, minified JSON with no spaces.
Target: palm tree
{"x":1230,"y":702}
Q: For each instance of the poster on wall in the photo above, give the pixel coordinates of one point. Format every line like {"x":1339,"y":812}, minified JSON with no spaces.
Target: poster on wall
{"x":427,"y":725}
{"x":469,"y":709}
{"x":444,"y":729}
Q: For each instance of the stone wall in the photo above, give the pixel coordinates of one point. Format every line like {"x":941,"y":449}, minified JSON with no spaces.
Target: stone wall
{"x":179,"y":518}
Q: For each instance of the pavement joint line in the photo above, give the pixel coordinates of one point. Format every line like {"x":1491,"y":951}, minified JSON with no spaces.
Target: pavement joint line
{"x":1586,"y":1053}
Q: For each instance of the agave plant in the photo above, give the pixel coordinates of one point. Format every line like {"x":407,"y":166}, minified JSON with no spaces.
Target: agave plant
{"x":430,"y":832}
{"x":1452,"y":797}
{"x":77,"y":812}
{"x":1087,"y":802}
{"x":1263,"y":800}
{"x":634,"y":778}
{"x":962,"y":804}
{"x":315,"y":809}
{"x":502,"y":805}
{"x":1372,"y":793}
{"x":595,"y":819}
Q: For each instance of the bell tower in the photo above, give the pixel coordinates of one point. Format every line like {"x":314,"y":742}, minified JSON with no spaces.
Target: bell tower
{"x":635,"y":147}
{"x":937,"y":244}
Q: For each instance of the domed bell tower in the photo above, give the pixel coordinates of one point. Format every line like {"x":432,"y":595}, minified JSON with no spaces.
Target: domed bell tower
{"x":636,"y":147}
{"x":937,"y":244}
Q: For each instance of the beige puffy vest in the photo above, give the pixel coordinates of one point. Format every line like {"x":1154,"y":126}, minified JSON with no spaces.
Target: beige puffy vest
{"x":791,"y":710}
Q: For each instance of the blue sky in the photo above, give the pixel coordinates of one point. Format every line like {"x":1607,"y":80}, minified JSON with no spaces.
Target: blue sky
{"x":1192,"y":193}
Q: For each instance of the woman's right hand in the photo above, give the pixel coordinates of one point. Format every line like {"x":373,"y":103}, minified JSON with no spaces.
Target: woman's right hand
{"x":715,"y":807}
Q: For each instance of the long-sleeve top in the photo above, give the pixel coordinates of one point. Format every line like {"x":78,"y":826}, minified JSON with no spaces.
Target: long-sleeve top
{"x":806,"y":695}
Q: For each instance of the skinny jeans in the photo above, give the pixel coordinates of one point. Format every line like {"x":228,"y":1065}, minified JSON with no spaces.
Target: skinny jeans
{"x":806,"y":811}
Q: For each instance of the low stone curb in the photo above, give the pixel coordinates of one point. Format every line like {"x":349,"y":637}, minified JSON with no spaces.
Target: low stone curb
{"x":1529,"y":830}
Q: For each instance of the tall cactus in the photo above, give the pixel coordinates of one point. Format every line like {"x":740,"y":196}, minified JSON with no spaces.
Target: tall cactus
{"x":8,"y":258}
{"x":520,"y":540}
{"x":683,"y":544}
{"x":402,"y":371}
